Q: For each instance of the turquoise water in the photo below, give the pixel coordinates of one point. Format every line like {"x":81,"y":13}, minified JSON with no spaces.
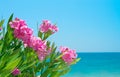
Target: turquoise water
{"x":96,"y":65}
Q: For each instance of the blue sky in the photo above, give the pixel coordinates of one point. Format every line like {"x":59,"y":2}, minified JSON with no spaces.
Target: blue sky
{"x":84,"y":25}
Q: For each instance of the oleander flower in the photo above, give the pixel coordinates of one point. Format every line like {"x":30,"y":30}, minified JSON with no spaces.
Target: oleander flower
{"x":37,"y":44}
{"x":54,"y":28}
{"x":17,"y":23}
{"x":44,"y":27}
{"x":23,"y":32}
{"x":64,"y":49}
{"x":69,"y":55}
{"x":41,"y":55}
{"x":47,"y":26}
{"x":16,"y":71}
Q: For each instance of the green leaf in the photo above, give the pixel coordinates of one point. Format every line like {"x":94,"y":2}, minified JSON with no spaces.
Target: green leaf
{"x":8,"y":36}
{"x":25,"y":66}
{"x":10,"y":66}
{"x":48,"y":43}
{"x":13,"y":64}
{"x":47,"y":34}
{"x":46,"y":73}
{"x":10,"y":19}
{"x":10,"y":58}
{"x":75,"y":61}
{"x":1,"y":23}
{"x":53,"y":54}
{"x":40,"y":34}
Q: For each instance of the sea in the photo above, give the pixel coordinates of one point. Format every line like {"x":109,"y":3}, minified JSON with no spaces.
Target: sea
{"x":96,"y":64}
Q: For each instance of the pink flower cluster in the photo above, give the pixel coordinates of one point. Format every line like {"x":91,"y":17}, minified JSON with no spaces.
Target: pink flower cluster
{"x":39,"y":46}
{"x":47,"y":26}
{"x":69,"y":55}
{"x":21,"y":31}
{"x":16,"y":72}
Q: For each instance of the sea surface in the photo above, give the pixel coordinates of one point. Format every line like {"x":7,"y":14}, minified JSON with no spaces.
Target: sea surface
{"x":103,"y":64}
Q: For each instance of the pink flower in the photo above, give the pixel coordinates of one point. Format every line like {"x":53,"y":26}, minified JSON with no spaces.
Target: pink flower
{"x":67,"y":58}
{"x":64,"y":49}
{"x":43,"y":54}
{"x":47,"y":26}
{"x":54,"y":28}
{"x":17,"y":23}
{"x":68,"y":55}
{"x":40,"y":46}
{"x":27,"y":41}
{"x":37,"y":44}
{"x":16,"y":72}
{"x":23,"y":32}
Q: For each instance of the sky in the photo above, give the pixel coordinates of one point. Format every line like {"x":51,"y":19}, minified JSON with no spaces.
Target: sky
{"x":84,"y":25}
